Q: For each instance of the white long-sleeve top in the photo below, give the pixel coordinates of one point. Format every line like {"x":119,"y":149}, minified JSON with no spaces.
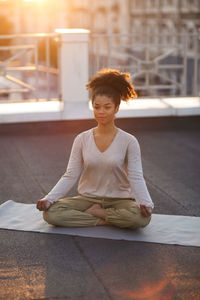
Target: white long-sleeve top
{"x":115,"y":173}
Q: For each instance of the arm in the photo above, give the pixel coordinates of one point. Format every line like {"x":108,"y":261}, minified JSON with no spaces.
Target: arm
{"x":69,"y":178}
{"x":136,"y":179}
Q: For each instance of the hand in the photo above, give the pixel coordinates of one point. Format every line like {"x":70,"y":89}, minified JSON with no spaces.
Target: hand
{"x":43,"y":204}
{"x":146,"y":211}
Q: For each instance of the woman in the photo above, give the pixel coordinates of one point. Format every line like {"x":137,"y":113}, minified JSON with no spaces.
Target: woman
{"x":111,"y":189}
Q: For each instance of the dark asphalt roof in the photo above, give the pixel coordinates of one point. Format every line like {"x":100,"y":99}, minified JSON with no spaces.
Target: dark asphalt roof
{"x":33,"y":156}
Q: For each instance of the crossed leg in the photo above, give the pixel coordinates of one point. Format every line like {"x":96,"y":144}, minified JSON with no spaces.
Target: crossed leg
{"x":79,"y":212}
{"x":122,"y":213}
{"x":70,"y":212}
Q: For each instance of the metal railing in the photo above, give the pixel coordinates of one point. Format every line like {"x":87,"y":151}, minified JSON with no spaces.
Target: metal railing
{"x":26,"y":69}
{"x":160,"y":65}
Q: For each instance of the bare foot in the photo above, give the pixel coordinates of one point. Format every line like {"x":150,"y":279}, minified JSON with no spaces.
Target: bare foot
{"x":97,"y":211}
{"x":93,"y":208}
{"x":102,"y":222}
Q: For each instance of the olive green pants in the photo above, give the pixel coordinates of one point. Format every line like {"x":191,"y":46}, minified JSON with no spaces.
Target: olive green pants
{"x":70,"y":212}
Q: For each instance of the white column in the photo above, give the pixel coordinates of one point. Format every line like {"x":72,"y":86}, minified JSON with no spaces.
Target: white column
{"x":73,"y":68}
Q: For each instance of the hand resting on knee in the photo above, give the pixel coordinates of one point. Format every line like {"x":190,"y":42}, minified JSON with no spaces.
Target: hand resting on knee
{"x":146,"y":211}
{"x":43,"y":204}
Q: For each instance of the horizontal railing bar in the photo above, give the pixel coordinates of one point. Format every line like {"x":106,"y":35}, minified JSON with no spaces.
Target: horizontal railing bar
{"x":94,"y":35}
{"x":132,"y":67}
{"x":25,"y":35}
{"x":16,"y":47}
{"x":139,"y":34}
{"x":8,"y":91}
{"x":31,"y":68}
{"x":25,"y":68}
{"x":151,"y":45}
{"x":159,"y":87}
{"x":170,"y":67}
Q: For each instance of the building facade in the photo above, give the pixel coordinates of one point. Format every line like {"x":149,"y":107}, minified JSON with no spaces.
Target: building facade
{"x":104,"y":16}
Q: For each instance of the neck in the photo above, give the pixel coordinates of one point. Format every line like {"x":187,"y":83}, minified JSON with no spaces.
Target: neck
{"x":106,"y":129}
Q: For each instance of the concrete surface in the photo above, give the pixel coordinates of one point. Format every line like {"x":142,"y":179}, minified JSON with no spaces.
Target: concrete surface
{"x":55,"y":110}
{"x":33,"y":156}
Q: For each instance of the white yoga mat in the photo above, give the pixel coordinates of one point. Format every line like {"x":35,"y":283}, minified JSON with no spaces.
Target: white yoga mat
{"x":164,"y":229}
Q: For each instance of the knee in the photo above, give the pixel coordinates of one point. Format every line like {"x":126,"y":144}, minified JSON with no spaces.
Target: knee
{"x":140,"y":222}
{"x":49,"y":217}
{"x":51,"y":214}
{"x":121,"y":218}
{"x":124,"y":218}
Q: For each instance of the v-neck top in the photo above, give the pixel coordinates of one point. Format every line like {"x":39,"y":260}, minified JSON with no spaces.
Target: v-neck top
{"x":110,"y":143}
{"x":115,"y":173}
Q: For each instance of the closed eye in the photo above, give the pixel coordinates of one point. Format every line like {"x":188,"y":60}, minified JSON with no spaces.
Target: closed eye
{"x":105,"y":107}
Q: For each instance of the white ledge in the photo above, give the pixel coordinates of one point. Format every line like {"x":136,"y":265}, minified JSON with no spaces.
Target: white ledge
{"x":56,"y":110}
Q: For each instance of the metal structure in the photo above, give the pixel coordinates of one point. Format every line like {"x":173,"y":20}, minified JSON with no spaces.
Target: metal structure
{"x":22,"y":73}
{"x":161,"y":65}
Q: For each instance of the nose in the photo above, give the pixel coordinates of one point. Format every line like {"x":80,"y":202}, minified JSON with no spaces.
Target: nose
{"x":101,"y":110}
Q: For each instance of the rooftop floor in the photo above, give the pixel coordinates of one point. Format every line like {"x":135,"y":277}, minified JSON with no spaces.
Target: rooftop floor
{"x":33,"y":157}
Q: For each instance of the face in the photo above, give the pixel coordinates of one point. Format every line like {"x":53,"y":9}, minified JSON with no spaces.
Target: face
{"x":104,"y":109}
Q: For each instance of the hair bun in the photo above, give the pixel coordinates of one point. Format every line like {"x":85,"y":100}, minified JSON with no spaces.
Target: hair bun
{"x":114,"y":79}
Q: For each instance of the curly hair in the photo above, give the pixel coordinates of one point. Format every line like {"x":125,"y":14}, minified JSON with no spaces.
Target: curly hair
{"x":111,"y":83}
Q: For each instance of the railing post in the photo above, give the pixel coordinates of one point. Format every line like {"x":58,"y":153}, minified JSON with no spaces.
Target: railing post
{"x":74,"y":67}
